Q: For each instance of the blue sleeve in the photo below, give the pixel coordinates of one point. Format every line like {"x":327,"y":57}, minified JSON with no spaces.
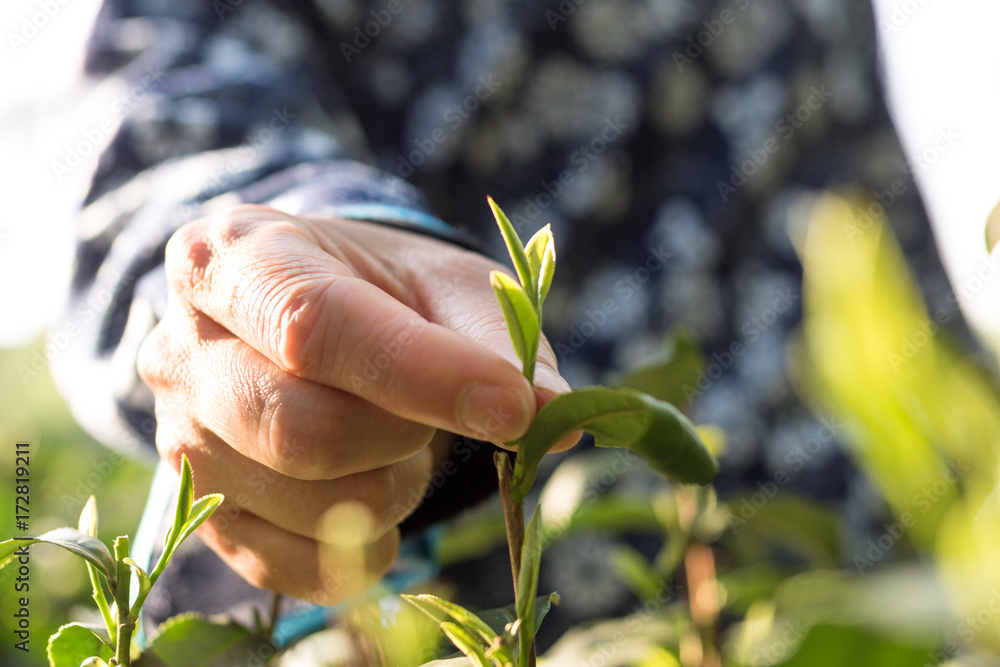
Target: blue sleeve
{"x":196,"y":112}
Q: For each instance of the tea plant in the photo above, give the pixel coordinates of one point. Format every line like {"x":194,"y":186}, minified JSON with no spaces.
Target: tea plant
{"x":111,"y":570}
{"x":615,"y":416}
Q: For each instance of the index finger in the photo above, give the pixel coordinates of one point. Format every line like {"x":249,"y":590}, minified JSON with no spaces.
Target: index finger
{"x":264,"y":277}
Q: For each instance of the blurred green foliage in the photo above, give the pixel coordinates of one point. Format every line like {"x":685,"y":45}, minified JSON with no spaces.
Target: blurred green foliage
{"x":921,"y":419}
{"x":66,"y":464}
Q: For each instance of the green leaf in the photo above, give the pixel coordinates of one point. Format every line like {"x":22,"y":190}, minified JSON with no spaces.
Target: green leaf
{"x":830,"y":646}
{"x":432,"y":604}
{"x":499,"y":618}
{"x":191,"y":640}
{"x":541,"y":253}
{"x":71,"y":539}
{"x":515,"y":248}
{"x":185,"y":499}
{"x":93,"y":661}
{"x":522,"y":321}
{"x":88,"y":518}
{"x":527,"y":585}
{"x":88,"y":525}
{"x":144,"y":585}
{"x":201,"y":510}
{"x":531,"y":558}
{"x":666,"y":375}
{"x":469,"y":538}
{"x":74,"y":643}
{"x":617,"y":417}
{"x":637,"y":572}
{"x":658,"y":656}
{"x":798,"y":524}
{"x":466,"y":643}
{"x":462,"y":661}
{"x":100,"y":632}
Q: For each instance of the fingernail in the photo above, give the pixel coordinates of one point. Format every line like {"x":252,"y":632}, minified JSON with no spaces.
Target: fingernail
{"x":495,"y":412}
{"x":550,"y":380}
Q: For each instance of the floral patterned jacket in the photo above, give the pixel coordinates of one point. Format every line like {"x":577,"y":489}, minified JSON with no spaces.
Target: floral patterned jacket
{"x":668,"y":142}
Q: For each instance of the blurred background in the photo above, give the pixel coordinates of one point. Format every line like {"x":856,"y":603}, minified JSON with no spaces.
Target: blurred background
{"x":941,"y":67}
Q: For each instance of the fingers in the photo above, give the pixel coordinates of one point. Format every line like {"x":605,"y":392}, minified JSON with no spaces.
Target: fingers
{"x":390,"y":493}
{"x":261,"y":553}
{"x":492,"y":333}
{"x":298,"y":428}
{"x":264,"y":278}
{"x":454,"y":290}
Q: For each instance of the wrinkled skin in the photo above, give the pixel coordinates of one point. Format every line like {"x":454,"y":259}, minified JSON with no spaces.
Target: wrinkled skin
{"x":308,"y":362}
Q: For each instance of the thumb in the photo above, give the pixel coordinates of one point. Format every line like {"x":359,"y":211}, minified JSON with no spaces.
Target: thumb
{"x":467,"y":304}
{"x":549,"y":384}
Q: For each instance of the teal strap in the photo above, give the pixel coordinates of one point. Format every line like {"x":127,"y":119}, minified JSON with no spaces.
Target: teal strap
{"x":389,"y":213}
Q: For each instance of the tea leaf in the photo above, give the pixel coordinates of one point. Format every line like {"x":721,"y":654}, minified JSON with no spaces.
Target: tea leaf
{"x":527,"y":585}
{"x":522,"y":321}
{"x":637,"y":572}
{"x":466,"y":643}
{"x":93,"y":661}
{"x":191,"y":640}
{"x":500,"y":617}
{"x":201,"y":510}
{"x":74,"y":643}
{"x":88,"y":518}
{"x":541,"y":252}
{"x":617,"y":417}
{"x":144,"y":584}
{"x":185,"y":498}
{"x":71,"y":539}
{"x":515,"y":248}
{"x":666,"y":375}
{"x":431,"y":604}
{"x":88,"y":525}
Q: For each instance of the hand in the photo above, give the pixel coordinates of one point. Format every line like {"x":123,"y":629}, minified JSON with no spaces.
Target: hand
{"x":308,"y":362}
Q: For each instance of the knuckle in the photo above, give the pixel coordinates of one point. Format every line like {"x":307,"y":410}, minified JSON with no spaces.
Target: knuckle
{"x":293,"y":307}
{"x":289,"y":444}
{"x":188,"y":255}
{"x":152,"y":358}
{"x":231,"y":226}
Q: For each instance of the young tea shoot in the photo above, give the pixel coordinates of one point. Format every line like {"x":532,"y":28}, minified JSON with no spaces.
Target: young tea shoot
{"x":615,"y":416}
{"x":111,"y":571}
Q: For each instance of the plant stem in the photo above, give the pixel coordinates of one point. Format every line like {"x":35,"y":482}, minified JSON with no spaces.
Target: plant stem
{"x":126,"y":624}
{"x":513,"y":518}
{"x":272,"y":618}
{"x":102,"y":602}
{"x":703,"y":599}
